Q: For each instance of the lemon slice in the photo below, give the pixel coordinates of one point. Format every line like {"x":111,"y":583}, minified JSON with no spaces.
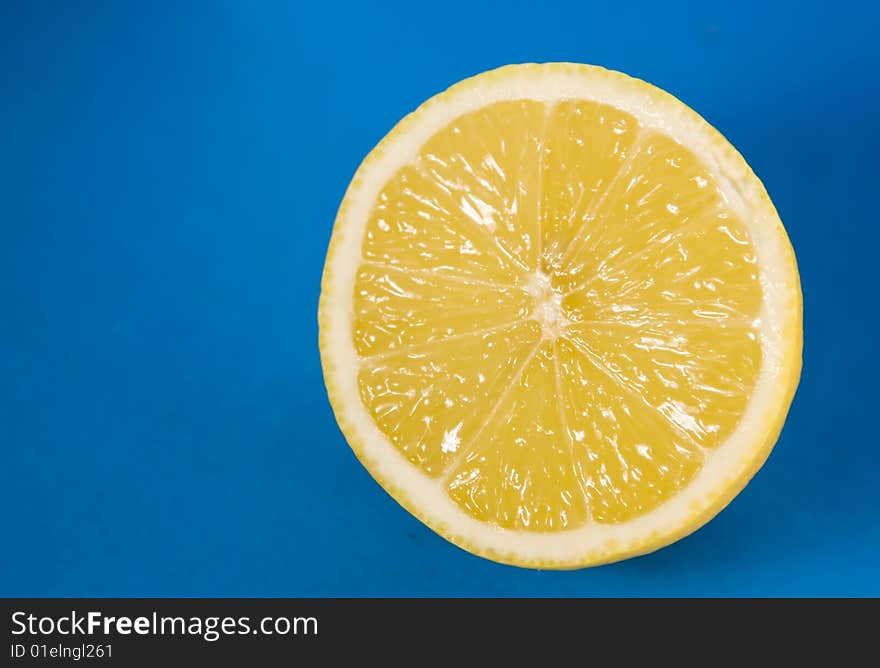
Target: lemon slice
{"x":560,"y":319}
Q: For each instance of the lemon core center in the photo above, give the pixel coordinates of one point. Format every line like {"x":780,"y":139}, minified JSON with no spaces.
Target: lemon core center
{"x":547,"y":308}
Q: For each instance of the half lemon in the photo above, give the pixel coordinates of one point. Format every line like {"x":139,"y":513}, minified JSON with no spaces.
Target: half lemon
{"x":560,"y":319}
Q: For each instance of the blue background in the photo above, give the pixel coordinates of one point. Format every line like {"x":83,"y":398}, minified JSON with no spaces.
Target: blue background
{"x":170,"y":174}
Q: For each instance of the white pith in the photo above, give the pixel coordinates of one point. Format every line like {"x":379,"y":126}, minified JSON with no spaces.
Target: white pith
{"x":729,"y":463}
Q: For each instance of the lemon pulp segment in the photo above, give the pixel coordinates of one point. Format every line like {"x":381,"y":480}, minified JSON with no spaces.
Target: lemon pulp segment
{"x":556,"y":314}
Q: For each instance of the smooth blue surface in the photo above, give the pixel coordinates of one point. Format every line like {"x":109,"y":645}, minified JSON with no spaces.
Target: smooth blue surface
{"x":170,"y":176}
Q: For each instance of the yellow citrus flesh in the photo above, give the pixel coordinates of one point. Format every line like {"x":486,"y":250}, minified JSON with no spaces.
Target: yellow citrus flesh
{"x":556,"y":315}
